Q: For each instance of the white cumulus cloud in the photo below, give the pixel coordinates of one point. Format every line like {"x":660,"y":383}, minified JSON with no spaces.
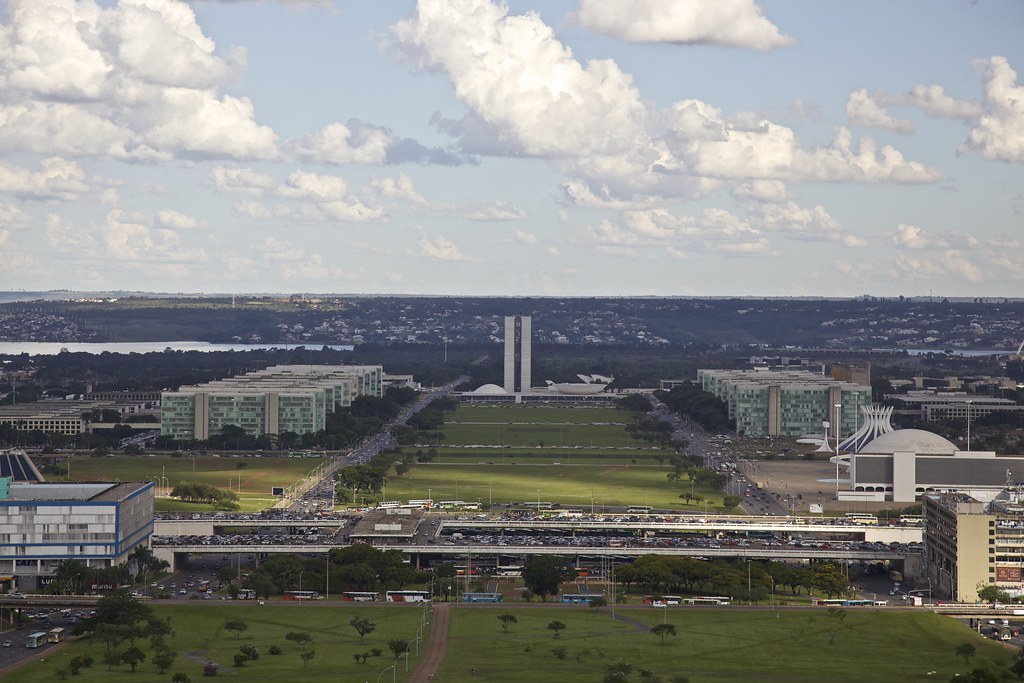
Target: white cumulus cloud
{"x":734,"y":23}
{"x":999,"y":132}
{"x":338,"y":143}
{"x":863,"y":110}
{"x":133,"y":80}
{"x":499,"y":210}
{"x":439,"y":249}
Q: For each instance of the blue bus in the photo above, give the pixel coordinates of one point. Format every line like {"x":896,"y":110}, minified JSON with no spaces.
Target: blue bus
{"x":580,"y":598}
{"x":482,"y":597}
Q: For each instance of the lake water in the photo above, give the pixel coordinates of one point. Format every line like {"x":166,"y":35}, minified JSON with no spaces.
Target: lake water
{"x":53,"y":348}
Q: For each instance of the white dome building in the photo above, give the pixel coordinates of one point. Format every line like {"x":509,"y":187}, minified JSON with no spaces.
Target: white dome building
{"x":490,"y":390}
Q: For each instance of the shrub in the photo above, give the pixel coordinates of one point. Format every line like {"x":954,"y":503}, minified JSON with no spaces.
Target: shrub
{"x":274,"y":650}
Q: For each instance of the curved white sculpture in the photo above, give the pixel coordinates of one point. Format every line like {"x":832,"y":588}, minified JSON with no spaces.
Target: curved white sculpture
{"x":877,"y":421}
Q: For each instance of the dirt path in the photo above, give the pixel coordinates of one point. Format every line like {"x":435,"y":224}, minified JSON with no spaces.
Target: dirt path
{"x":435,"y":647}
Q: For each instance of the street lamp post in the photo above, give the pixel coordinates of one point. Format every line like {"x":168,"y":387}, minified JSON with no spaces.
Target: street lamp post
{"x":969,"y":424}
{"x":837,"y":406}
{"x":300,"y":581}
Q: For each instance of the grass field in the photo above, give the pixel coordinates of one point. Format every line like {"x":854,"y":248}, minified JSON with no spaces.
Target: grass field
{"x":199,"y":637}
{"x":571,"y":485}
{"x":576,"y":456}
{"x":728,"y":644}
{"x":525,"y":414}
{"x":253,"y":482}
{"x":711,"y":646}
{"x":522,"y":426}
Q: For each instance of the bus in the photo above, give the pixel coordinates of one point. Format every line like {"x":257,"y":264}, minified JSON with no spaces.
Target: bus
{"x":911,"y":520}
{"x":301,"y":595}
{"x":37,"y":639}
{"x":360,"y":596}
{"x":482,"y":597}
{"x":580,"y":598}
{"x":829,"y":603}
{"x":639,"y":509}
{"x":708,"y":600}
{"x":424,"y":503}
{"x":513,"y":570}
{"x":388,"y":504}
{"x":858,"y":603}
{"x":407,"y":596}
{"x":246,"y":593}
{"x":56,"y":635}
{"x":861,"y":518}
{"x":538,"y":505}
{"x":461,"y":570}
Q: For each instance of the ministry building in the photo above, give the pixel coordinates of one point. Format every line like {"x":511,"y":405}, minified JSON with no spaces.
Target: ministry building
{"x":283,"y":398}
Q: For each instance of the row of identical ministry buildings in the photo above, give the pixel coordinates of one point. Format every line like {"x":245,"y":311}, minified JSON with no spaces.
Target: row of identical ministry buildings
{"x":789,"y":402}
{"x":282,"y":398}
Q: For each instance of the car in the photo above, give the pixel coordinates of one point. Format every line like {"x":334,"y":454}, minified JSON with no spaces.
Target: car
{"x":182,"y":591}
{"x":8,"y":643}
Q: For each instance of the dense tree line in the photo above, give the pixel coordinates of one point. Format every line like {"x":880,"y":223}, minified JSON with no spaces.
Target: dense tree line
{"x":358,"y":567}
{"x":707,"y":410}
{"x":198,"y":492}
{"x":734,"y":578}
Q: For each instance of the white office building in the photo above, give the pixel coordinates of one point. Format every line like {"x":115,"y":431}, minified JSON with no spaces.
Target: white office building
{"x":98,"y":524}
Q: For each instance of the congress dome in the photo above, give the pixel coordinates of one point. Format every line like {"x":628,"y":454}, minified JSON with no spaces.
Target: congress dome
{"x":490,"y":390}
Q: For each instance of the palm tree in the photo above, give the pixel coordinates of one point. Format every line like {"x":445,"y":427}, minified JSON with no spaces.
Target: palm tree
{"x":66,"y":573}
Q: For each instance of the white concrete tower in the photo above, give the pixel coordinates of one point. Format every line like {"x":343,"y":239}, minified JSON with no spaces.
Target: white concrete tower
{"x":510,"y":354}
{"x":525,"y":353}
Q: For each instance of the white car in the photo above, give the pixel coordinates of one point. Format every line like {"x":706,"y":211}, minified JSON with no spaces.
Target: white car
{"x":8,"y":643}
{"x":658,"y":603}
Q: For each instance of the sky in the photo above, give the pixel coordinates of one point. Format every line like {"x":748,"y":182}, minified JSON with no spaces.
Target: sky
{"x":517,"y":148}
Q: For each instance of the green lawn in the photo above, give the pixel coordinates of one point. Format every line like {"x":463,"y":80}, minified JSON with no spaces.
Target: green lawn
{"x":571,"y":485}
{"x":576,"y":456}
{"x":539,"y":426}
{"x":199,"y":637}
{"x":252,"y":482}
{"x":532,"y":413}
{"x":548,"y":455}
{"x":728,"y":644}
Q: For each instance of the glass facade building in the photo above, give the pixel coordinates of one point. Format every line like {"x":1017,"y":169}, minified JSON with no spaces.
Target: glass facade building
{"x":285,"y":398}
{"x":786,"y":403}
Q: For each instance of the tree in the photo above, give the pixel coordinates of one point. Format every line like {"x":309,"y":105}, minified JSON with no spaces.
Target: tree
{"x":729,"y":502}
{"x":307,"y":655}
{"x":993,"y":593}
{"x":181,"y":677}
{"x":240,"y":659}
{"x":598,"y":602}
{"x":555,"y":626}
{"x":967,"y":651}
{"x":543,"y":574}
{"x":828,"y":579}
{"x":398,"y":647}
{"x":112,"y":658}
{"x":163,"y":660}
{"x":363,"y":627}
{"x":236,"y":626}
{"x":505,"y":620}
{"x":663,"y":631}
{"x":560,"y":652}
{"x":301,"y":637}
{"x":133,"y":656}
